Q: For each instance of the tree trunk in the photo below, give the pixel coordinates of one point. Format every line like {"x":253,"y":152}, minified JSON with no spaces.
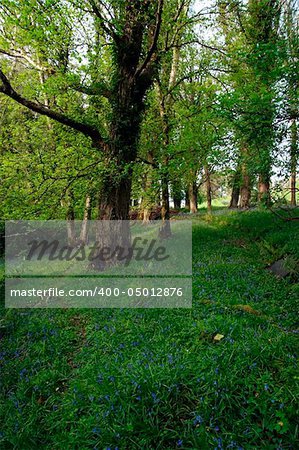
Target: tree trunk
{"x":70,"y":220}
{"x":193,"y":197}
{"x":147,"y":201}
{"x":86,"y":218}
{"x":245,"y":191}
{"x":165,"y":230}
{"x":146,"y":216}
{"x":264,"y":190}
{"x":245,"y":188}
{"x":177,"y":201}
{"x":187,"y":199}
{"x":234,"y":201}
{"x":177,"y":194}
{"x":165,"y":112}
{"x":127,"y":105}
{"x":235,"y":190}
{"x":115,"y":199}
{"x":113,"y":228}
{"x":208,"y":189}
{"x":294,"y":161}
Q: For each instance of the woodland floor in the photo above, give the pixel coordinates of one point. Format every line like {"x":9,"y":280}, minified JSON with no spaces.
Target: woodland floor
{"x":149,"y":379}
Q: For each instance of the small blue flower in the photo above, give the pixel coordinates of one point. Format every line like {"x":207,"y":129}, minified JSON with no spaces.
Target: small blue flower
{"x":219,"y":442}
{"x":100,"y":378}
{"x":198,"y":420}
{"x":155,"y":398}
{"x":170,"y":359}
{"x":179,"y":443}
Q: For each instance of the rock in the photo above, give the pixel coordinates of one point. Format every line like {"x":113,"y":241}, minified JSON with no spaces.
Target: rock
{"x":278,"y":269}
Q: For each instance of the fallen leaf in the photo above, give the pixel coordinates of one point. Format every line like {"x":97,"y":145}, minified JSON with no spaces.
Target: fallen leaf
{"x":218,"y":337}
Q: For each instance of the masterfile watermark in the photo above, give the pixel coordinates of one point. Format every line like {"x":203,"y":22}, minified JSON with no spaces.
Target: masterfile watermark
{"x":112,"y":247}
{"x":117,"y":264}
{"x":156,"y":292}
{"x":141,"y":249}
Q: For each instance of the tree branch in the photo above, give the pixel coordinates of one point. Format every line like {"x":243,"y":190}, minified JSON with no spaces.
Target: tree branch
{"x":105,"y":24}
{"x":86,"y":129}
{"x":20,"y":55}
{"x":195,"y":41}
{"x":149,"y":163}
{"x":96,"y":88}
{"x":153,"y":46}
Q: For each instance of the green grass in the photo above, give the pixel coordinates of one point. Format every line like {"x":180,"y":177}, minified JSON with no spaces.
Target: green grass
{"x":149,"y":379}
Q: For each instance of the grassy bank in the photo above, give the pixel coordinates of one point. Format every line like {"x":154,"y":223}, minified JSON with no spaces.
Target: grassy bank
{"x":148,"y":379}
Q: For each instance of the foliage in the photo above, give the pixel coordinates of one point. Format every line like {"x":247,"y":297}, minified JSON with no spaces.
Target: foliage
{"x":103,"y":379}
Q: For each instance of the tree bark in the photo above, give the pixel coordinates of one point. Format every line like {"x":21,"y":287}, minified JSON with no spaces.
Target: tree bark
{"x":147,"y":201}
{"x":245,"y":191}
{"x":70,"y":219}
{"x":187,"y":199}
{"x":113,"y":227}
{"x":264,"y":190}
{"x":234,"y":201}
{"x":86,"y":218}
{"x":294,"y":161}
{"x":245,"y":188}
{"x":193,"y":197}
{"x":235,"y":195}
{"x":165,"y":231}
{"x":208,"y":189}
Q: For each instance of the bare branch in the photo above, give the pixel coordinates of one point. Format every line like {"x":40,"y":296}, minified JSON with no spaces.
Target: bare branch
{"x":195,"y":41}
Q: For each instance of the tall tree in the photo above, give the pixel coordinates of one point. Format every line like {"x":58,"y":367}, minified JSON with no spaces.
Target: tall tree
{"x":291,"y":35}
{"x":131,"y":29}
{"x":251,"y":38}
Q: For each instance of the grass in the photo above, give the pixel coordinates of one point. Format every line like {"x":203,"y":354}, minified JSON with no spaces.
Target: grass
{"x":149,"y":379}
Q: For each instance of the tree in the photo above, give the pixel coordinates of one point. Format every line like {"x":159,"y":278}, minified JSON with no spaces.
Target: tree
{"x":291,"y":35}
{"x":252,"y":45}
{"x":132,"y":30}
